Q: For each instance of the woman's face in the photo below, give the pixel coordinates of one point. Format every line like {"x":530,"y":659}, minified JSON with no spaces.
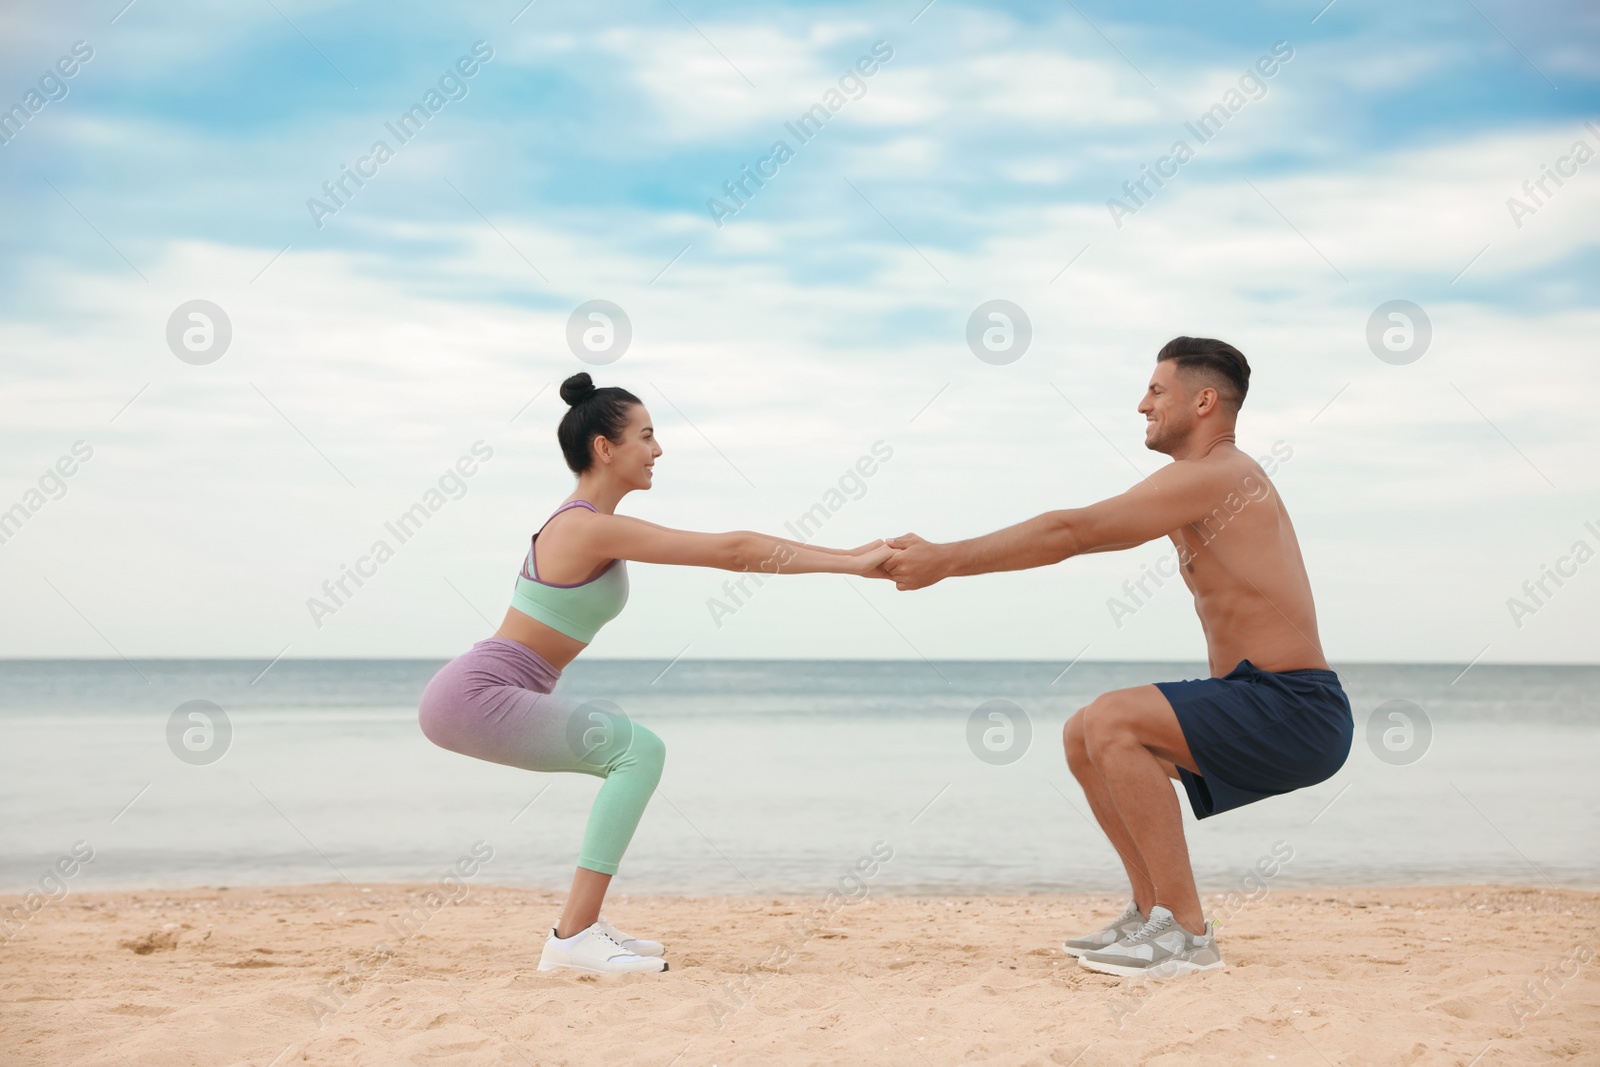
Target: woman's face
{"x":633,"y":457}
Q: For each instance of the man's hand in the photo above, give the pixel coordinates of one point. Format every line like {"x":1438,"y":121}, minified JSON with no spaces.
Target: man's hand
{"x":917,"y":564}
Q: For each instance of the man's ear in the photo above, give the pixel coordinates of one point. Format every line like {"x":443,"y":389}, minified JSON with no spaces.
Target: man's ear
{"x":1206,"y":400}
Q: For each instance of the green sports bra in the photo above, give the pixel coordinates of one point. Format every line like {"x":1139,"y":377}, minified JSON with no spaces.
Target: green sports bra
{"x":576,"y":610}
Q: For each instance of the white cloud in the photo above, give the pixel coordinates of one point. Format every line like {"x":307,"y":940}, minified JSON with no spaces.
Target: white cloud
{"x":795,"y":337}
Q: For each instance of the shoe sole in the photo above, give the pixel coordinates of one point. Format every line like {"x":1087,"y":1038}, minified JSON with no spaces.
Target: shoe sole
{"x":1169,"y":969}
{"x":543,"y":966}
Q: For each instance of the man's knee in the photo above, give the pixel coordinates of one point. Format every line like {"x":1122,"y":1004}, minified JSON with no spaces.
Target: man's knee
{"x":1105,"y":726}
{"x":1072,"y":740}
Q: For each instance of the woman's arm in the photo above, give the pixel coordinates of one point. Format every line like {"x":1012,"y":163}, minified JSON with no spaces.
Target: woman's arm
{"x":870,"y":546}
{"x":624,"y":537}
{"x":792,"y":557}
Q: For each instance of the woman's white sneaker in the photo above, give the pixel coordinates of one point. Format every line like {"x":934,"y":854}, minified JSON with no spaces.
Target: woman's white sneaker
{"x":596,"y":952}
{"x":639,"y":946}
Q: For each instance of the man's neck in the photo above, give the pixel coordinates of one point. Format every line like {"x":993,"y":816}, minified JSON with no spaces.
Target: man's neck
{"x":1199,"y":447}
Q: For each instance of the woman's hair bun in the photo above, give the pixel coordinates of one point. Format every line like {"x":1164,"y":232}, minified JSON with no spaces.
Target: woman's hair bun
{"x":578,"y":388}
{"x":591,"y":413}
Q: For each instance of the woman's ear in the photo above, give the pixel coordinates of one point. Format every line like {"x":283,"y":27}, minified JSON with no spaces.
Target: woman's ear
{"x":602,"y":448}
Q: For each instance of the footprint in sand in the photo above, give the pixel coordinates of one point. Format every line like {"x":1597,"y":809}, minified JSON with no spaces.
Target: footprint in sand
{"x":158,"y":941}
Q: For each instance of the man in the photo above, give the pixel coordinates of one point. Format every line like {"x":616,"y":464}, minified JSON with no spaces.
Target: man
{"x":1271,"y":719}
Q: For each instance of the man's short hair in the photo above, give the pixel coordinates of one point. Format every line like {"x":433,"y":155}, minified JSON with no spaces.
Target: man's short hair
{"x":1211,"y":362}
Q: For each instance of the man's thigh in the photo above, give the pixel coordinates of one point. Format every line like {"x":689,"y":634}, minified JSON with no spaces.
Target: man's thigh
{"x":1143,"y":713}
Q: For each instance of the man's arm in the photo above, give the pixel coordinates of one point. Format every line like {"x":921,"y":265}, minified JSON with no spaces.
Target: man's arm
{"x":1178,"y":493}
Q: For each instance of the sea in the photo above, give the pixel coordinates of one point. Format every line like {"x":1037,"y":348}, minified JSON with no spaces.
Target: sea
{"x":783,"y":777}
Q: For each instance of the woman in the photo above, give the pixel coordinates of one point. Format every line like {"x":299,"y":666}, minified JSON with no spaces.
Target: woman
{"x":494,"y":702}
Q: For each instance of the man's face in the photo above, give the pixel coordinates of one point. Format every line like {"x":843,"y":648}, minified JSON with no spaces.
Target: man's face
{"x":1168,"y":410}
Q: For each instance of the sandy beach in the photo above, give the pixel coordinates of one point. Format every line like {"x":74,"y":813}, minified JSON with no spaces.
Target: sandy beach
{"x":382,"y":974}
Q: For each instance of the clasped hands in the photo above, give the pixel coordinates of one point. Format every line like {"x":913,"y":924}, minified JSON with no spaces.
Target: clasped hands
{"x":908,"y":561}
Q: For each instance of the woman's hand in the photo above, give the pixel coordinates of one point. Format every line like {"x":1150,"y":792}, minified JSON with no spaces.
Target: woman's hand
{"x":869,"y":560}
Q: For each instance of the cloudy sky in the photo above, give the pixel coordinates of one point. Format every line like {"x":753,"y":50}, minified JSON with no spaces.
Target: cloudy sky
{"x":377,"y":334}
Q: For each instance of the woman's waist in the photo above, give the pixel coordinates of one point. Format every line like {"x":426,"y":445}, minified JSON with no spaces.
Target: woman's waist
{"x":554,"y":648}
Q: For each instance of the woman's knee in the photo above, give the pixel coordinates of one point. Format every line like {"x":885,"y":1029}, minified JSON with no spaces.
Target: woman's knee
{"x":647,"y":753}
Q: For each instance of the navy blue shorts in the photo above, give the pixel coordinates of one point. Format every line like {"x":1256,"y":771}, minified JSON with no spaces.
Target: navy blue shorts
{"x":1256,"y":734}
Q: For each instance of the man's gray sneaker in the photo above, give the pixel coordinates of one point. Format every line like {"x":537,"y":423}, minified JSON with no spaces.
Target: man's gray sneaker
{"x":1104,"y":938}
{"x":1158,"y":949}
